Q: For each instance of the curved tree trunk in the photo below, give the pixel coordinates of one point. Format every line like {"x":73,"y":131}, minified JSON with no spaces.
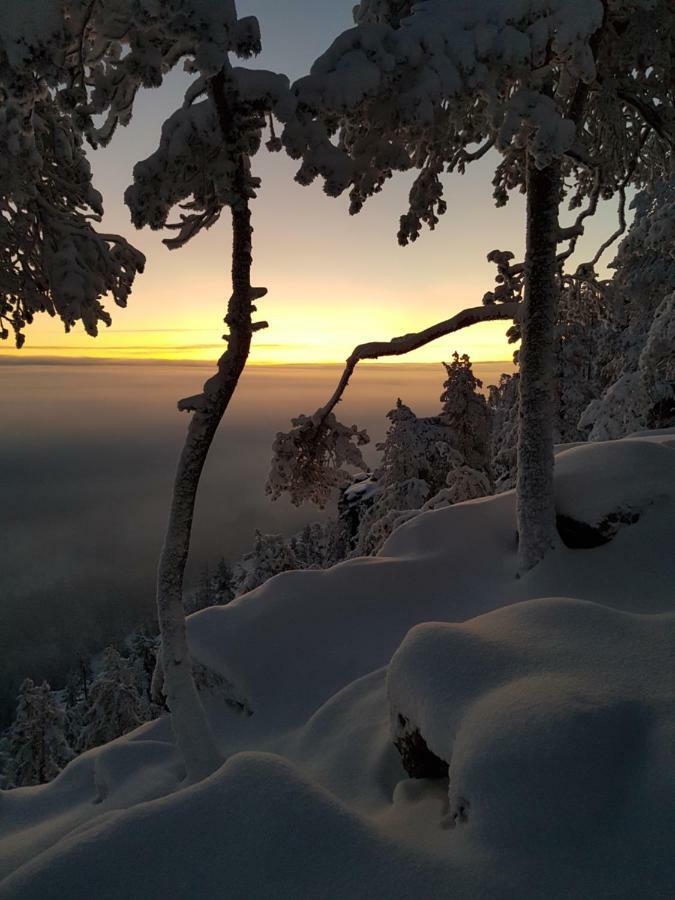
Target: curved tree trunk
{"x":534,"y":487}
{"x":188,"y":718}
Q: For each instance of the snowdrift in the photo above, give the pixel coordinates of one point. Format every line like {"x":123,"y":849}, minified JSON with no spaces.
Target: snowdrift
{"x":548,"y":697}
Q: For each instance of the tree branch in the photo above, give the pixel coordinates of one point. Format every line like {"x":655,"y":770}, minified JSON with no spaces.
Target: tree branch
{"x":619,"y":231}
{"x":650,"y":115}
{"x":406,"y":343}
{"x":573,"y":233}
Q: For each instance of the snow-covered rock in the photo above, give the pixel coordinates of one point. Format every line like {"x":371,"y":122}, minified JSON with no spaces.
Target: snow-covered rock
{"x":600,"y":488}
{"x":556,"y":720}
{"x":554,"y":715}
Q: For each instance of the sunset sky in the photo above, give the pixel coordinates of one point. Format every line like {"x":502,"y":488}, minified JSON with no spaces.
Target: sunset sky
{"x":333,"y":280}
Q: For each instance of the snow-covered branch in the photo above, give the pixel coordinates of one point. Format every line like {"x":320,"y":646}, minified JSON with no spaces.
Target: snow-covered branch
{"x":399,"y":346}
{"x":307,"y":461}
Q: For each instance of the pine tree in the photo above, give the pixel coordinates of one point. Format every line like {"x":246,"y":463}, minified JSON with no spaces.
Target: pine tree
{"x":270,"y":556}
{"x":38,"y":748}
{"x":115,"y":704}
{"x":202,"y":596}
{"x":466,"y":413}
{"x":503,"y":400}
{"x":577,"y":98}
{"x":221,"y":584}
{"x":5,"y":761}
{"x":143,"y":650}
{"x":636,"y":356}
{"x":52,"y":257}
{"x":430,"y":462}
{"x":414,"y":448}
{"x":581,"y":334}
{"x":309,"y":546}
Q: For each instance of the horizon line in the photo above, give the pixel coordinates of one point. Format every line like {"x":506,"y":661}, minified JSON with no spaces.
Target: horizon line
{"x":149,"y":360}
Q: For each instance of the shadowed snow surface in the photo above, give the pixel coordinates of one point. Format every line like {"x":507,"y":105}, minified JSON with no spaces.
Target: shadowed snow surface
{"x":556,"y":716}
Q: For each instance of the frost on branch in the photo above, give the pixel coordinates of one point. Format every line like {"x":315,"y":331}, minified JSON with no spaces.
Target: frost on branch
{"x":309,"y":461}
{"x":197,"y":165}
{"x":635,"y":383}
{"x":52,"y":258}
{"x":118,"y":48}
{"x":432,"y":86}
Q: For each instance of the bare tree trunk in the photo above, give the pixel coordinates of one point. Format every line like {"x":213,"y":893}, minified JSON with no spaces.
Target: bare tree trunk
{"x":534,"y":487}
{"x":188,"y":718}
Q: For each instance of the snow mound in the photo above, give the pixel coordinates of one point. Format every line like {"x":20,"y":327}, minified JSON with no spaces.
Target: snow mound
{"x":557,"y":724}
{"x":255,"y":828}
{"x":555,"y":717}
{"x":594,"y":481}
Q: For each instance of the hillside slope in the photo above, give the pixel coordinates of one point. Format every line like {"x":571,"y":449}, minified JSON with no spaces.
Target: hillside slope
{"x":549,"y":696}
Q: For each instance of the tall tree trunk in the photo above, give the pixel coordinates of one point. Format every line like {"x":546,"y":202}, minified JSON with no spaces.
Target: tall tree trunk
{"x":534,"y":486}
{"x":188,"y":718}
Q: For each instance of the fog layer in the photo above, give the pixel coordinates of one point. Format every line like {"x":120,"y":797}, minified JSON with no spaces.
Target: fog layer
{"x":86,"y":466}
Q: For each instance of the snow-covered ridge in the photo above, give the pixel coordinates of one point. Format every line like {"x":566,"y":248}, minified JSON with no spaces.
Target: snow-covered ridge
{"x":550,"y":696}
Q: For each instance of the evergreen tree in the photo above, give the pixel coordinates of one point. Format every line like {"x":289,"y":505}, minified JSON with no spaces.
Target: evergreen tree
{"x":430,"y":462}
{"x":270,"y":556}
{"x":581,"y":333}
{"x":143,"y":650}
{"x":466,"y":412}
{"x":636,"y":356}
{"x":5,"y":760}
{"x":414,"y":449}
{"x":202,"y":596}
{"x":578,"y":100}
{"x":37,"y":745}
{"x":503,"y":399}
{"x":116,"y":705}
{"x":221,"y":583}
{"x":309,"y":546}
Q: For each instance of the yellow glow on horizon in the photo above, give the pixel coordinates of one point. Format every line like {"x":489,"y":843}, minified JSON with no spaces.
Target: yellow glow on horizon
{"x":300,"y":333}
{"x":484,"y":343}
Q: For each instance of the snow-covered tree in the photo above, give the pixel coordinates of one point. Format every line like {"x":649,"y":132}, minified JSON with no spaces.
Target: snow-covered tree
{"x":143,"y":649}
{"x":309,"y":546}
{"x":202,"y":595}
{"x":414,"y":448}
{"x":577,"y":97}
{"x":309,"y":462}
{"x":5,"y":761}
{"x":37,"y":745}
{"x":221,"y":583}
{"x":271,"y":554}
{"x":432,"y":461}
{"x":71,"y":71}
{"x":462,"y":483}
{"x":581,"y":334}
{"x":53,"y":258}
{"x":503,"y":400}
{"x":466,"y":413}
{"x":202,"y":165}
{"x":115,"y":705}
{"x":636,"y":357}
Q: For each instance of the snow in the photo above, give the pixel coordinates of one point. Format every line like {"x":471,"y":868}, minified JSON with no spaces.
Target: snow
{"x":556,"y":698}
{"x":550,"y":695}
{"x":592,"y":485}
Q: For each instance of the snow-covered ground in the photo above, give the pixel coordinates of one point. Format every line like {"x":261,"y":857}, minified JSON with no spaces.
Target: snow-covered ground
{"x":550,"y":696}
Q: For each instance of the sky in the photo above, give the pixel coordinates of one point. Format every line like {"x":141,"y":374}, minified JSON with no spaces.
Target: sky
{"x":333,"y":280}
